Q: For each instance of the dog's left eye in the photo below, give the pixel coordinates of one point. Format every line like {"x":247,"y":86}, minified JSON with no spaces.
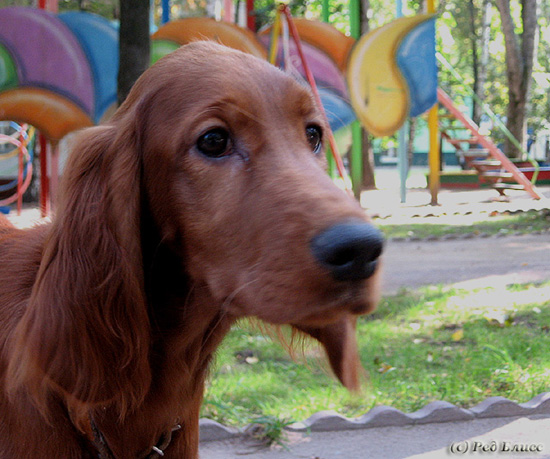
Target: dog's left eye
{"x":314,"y":136}
{"x":214,"y":143}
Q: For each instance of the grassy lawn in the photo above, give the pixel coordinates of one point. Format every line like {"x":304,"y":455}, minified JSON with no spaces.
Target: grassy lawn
{"x":491,"y":224}
{"x":435,"y":344}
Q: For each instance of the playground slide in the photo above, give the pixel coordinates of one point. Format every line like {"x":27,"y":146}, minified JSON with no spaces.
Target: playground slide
{"x":385,"y":74}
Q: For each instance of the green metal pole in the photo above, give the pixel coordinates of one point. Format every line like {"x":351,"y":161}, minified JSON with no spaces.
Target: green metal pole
{"x":325,"y":16}
{"x":355,"y":18}
{"x":325,"y":13}
{"x":356,"y":160}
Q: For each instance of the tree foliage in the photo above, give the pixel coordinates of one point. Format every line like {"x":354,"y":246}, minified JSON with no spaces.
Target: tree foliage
{"x":455,"y":42}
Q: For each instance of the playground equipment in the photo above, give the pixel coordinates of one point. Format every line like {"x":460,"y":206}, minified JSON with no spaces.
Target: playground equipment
{"x":522,"y":182}
{"x":59,"y":71}
{"x":284,"y":20}
{"x":17,"y":145}
{"x":62,"y":69}
{"x":60,"y":74}
{"x":322,"y":36}
{"x":327,"y":73}
{"x":403,"y":82}
{"x":180,"y":32}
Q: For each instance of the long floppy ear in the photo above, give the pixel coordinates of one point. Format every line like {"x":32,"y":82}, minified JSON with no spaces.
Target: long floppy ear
{"x":340,"y":344}
{"x":86,"y":329}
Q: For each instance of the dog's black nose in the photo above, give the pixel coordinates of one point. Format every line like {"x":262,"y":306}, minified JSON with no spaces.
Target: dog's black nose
{"x":348,"y":250}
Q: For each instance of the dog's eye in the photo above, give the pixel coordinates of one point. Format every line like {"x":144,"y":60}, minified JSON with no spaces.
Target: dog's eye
{"x":314,"y":136}
{"x":214,"y":143}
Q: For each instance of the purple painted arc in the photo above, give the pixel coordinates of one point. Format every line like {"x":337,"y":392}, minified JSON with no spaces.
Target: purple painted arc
{"x":48,"y":55}
{"x":324,"y":69}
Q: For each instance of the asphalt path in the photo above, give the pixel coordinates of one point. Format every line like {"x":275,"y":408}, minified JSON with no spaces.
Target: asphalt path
{"x":469,"y":263}
{"x":480,"y":438}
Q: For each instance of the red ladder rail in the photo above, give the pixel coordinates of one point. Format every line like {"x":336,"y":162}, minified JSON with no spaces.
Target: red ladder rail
{"x":494,"y":151}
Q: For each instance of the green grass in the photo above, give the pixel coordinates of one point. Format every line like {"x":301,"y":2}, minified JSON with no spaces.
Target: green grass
{"x":525,"y":222}
{"x":435,"y":344}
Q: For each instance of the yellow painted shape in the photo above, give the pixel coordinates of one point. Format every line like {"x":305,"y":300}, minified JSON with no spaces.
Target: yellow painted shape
{"x":378,"y":91}
{"x":52,"y":114}
{"x":187,"y":30}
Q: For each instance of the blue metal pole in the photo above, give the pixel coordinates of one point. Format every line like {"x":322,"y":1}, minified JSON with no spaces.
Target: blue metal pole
{"x":165,"y":11}
{"x":403,"y":161}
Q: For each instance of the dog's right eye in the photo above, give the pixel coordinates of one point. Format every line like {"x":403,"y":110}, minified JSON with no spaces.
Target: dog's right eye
{"x":314,"y":136}
{"x":214,"y":143}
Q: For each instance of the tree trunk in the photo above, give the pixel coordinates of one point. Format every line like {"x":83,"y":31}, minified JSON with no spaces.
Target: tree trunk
{"x":368,"y":181}
{"x":410,"y":141}
{"x":134,"y":44}
{"x":480,"y":54}
{"x":520,"y":55}
{"x":485,"y":38}
{"x":476,"y":115}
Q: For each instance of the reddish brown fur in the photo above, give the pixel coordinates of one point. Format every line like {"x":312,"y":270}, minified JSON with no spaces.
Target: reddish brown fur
{"x":115,"y":309}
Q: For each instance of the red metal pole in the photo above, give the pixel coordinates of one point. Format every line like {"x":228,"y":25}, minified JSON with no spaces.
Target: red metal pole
{"x":49,"y":5}
{"x":494,"y":151}
{"x":311,"y":80}
{"x":44,"y":182}
{"x":20,"y":172}
{"x":45,"y":194}
{"x":250,"y":16}
{"x":54,"y":176}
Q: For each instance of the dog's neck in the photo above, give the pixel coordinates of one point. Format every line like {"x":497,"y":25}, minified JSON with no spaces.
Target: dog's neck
{"x":176,"y":393}
{"x":186,"y":329}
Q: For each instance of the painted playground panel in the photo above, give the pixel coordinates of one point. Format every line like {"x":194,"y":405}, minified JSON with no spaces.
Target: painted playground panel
{"x":324,"y":37}
{"x":416,"y":60}
{"x":8,"y":70}
{"x":52,"y":114}
{"x":160,"y":48}
{"x":59,"y":72}
{"x":184,"y":31}
{"x":99,"y":41}
{"x":380,"y":91}
{"x":47,"y":54}
{"x":331,"y":80}
{"x":54,"y":86}
{"x":339,"y":112}
{"x":326,"y":72}
{"x":61,"y":76}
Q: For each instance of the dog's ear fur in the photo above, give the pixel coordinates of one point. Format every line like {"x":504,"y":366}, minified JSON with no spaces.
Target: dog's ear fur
{"x":86,"y":329}
{"x":340,"y":345}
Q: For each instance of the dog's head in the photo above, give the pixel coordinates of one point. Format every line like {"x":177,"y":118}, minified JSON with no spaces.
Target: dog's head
{"x":227,"y":155}
{"x":234,"y":161}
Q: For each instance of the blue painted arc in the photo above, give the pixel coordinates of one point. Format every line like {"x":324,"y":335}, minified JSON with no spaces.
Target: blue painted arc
{"x":338,"y":110}
{"x":99,"y":40}
{"x":416,"y":61}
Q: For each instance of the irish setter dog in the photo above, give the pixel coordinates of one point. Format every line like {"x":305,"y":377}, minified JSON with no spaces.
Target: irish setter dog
{"x":203,"y":200}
